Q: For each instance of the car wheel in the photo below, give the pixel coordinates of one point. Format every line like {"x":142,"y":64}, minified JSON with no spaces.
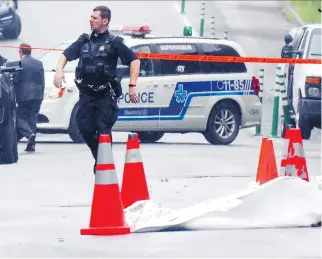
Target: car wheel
{"x":13,"y":31}
{"x":223,"y":124}
{"x":150,"y":136}
{"x":73,"y":130}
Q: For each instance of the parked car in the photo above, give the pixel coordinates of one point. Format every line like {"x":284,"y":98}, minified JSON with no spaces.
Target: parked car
{"x":10,"y":22}
{"x":8,"y":138}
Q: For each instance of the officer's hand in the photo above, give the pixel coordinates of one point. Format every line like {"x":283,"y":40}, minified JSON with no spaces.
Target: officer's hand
{"x":133,"y":96}
{"x":59,"y":76}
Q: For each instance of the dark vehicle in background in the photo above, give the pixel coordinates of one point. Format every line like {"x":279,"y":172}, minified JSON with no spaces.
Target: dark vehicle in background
{"x":8,"y":138}
{"x":10,"y":22}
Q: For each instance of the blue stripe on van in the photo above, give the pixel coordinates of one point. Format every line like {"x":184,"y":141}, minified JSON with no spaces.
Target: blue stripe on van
{"x":182,"y":96}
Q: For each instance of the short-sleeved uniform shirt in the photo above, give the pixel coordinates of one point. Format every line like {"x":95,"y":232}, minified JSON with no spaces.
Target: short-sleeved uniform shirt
{"x":120,"y":51}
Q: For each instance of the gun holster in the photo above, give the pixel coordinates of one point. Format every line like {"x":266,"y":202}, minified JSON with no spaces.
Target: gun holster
{"x":116,"y":85}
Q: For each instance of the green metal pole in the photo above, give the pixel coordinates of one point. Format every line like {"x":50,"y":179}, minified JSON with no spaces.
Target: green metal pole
{"x":286,"y":108}
{"x":261,"y":84}
{"x":183,"y":5}
{"x":213,"y":26}
{"x":202,"y":18}
{"x":276,"y":103}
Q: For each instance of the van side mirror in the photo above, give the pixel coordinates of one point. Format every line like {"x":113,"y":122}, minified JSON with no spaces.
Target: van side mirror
{"x":288,"y":39}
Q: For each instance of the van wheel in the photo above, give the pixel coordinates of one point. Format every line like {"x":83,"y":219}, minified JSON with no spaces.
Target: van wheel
{"x":223,"y":124}
{"x":73,"y":130}
{"x":305,"y":126}
{"x":150,"y":136}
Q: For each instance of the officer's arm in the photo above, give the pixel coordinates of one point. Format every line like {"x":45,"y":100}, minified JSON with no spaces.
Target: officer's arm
{"x":134,"y":71}
{"x":61,"y":63}
{"x":282,"y":53}
{"x":128,"y":58}
{"x":69,"y":54}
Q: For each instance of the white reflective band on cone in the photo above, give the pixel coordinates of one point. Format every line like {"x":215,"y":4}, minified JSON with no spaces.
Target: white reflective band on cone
{"x":133,"y":156}
{"x":285,"y":149}
{"x":104,"y":155}
{"x":106,"y":177}
{"x":298,"y":150}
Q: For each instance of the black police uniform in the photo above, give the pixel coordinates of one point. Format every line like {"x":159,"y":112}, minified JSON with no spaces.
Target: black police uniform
{"x":97,"y":83}
{"x":286,"y":51}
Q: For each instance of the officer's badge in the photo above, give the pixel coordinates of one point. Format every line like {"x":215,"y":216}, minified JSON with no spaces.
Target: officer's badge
{"x":101,"y":48}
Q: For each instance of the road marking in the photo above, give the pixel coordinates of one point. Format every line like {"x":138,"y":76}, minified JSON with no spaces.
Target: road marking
{"x":186,"y":22}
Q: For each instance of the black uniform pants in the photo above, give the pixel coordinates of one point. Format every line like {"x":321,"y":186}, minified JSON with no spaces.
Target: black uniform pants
{"x":27,"y":116}
{"x":96,"y":115}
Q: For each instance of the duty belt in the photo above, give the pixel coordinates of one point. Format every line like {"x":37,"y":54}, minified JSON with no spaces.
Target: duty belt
{"x":94,"y":88}
{"x":99,"y":87}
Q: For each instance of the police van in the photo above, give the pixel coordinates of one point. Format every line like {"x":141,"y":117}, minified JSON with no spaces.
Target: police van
{"x":304,"y":80}
{"x":212,"y":98}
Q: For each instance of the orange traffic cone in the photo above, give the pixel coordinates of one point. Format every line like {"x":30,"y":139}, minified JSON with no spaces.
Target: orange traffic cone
{"x":107,"y":214}
{"x":134,"y":185}
{"x":267,"y":169}
{"x":294,"y":162}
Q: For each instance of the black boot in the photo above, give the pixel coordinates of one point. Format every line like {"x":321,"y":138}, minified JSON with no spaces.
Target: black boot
{"x":31,"y":143}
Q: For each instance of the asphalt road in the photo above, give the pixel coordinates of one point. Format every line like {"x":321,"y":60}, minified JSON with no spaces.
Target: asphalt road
{"x":45,"y":198}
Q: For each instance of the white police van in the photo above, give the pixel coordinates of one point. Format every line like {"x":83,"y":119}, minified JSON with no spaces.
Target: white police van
{"x":212,"y":98}
{"x":304,"y":80}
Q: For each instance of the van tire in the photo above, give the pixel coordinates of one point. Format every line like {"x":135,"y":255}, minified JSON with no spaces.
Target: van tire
{"x":211,"y":135}
{"x":150,"y":136}
{"x":305,"y":126}
{"x":73,"y":130}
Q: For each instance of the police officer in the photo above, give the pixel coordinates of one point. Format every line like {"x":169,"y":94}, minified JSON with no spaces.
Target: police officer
{"x":287,"y":49}
{"x":96,"y":77}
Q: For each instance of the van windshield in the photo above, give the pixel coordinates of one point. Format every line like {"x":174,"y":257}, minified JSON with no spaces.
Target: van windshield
{"x":314,"y":49}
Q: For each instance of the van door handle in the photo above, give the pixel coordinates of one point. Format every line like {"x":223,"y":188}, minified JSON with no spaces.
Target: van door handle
{"x":152,"y":85}
{"x":168,"y":85}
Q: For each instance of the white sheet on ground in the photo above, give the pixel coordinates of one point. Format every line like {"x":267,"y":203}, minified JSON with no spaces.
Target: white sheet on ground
{"x":282,"y":202}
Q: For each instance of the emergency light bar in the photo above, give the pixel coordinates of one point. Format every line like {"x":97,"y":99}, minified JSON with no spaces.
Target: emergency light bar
{"x":139,"y":31}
